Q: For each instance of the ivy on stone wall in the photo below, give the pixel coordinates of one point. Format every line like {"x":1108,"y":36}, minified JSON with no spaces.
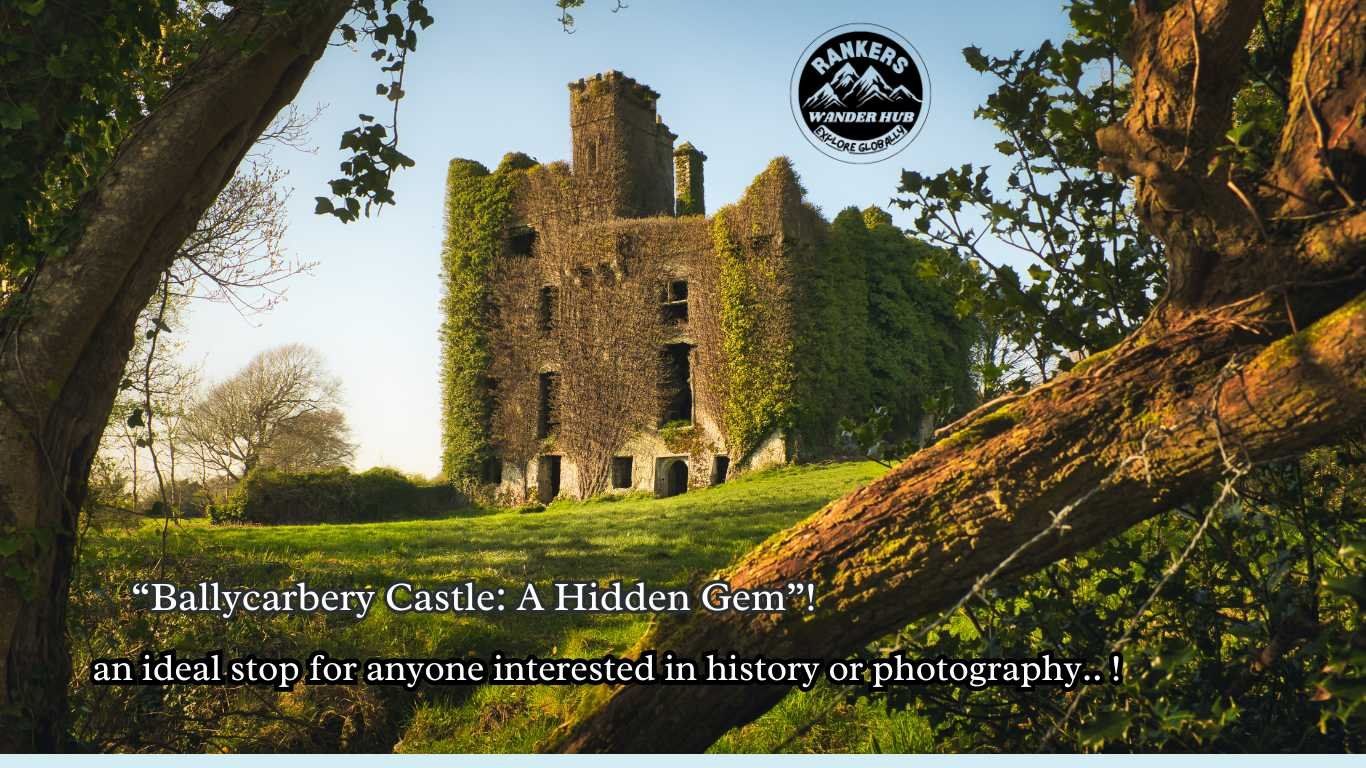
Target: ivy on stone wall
{"x":875,"y":328}
{"x":821,"y":323}
{"x":832,"y":334}
{"x":813,"y":322}
{"x":477,"y":208}
{"x":757,"y":358}
{"x":918,"y":347}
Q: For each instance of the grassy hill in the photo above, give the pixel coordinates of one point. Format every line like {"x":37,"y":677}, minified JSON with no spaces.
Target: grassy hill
{"x":667,"y":542}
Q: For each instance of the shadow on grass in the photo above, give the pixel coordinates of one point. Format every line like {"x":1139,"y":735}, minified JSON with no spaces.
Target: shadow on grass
{"x":669,"y":543}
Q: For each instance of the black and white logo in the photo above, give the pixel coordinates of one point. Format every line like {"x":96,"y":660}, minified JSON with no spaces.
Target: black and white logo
{"x":859,"y":93}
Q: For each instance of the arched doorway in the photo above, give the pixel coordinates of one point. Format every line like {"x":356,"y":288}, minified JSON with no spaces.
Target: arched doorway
{"x":677,"y":478}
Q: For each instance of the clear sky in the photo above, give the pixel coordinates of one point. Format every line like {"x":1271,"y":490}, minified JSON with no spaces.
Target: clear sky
{"x":490,"y":77}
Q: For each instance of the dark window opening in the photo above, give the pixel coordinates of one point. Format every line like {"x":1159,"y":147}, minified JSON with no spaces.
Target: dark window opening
{"x":491,"y":470}
{"x":621,"y":471}
{"x":674,"y":301}
{"x":547,"y":479}
{"x":520,"y":240}
{"x":592,"y":157}
{"x":676,"y":478}
{"x":548,"y":414}
{"x":677,"y":384}
{"x":545,"y":314}
{"x":490,"y":389}
{"x":720,"y":466}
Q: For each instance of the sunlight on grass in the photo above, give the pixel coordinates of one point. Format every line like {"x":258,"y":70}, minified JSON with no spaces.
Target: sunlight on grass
{"x":666,"y":542}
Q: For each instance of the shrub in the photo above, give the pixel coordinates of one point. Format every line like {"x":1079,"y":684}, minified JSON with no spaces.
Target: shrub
{"x":332,"y":496}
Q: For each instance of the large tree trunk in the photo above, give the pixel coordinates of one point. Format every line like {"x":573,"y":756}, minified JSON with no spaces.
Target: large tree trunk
{"x":1258,"y":352}
{"x":60,"y":366}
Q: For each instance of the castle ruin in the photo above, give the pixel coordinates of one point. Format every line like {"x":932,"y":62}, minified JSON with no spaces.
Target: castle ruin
{"x":602,"y":334}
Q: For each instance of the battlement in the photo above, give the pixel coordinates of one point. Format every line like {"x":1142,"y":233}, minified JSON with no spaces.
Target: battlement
{"x":615,"y":82}
{"x":618,"y":138}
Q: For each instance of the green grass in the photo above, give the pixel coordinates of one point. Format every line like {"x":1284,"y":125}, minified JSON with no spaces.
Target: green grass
{"x":666,"y":542}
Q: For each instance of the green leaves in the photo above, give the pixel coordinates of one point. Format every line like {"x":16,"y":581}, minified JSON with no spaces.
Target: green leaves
{"x":1092,"y":271}
{"x":13,"y":116}
{"x":1107,"y":726}
{"x":367,"y":172}
{"x":973,"y":56}
{"x":73,"y":84}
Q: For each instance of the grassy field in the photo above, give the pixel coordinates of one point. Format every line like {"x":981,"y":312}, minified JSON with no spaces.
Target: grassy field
{"x":667,"y":542}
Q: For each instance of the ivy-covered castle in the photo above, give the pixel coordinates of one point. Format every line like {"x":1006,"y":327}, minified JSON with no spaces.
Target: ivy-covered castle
{"x":602,"y":334}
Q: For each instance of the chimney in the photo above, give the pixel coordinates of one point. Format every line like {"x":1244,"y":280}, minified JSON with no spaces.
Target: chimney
{"x":688,"y":181}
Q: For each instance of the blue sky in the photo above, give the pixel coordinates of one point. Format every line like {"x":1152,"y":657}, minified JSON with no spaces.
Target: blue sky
{"x":490,"y":77}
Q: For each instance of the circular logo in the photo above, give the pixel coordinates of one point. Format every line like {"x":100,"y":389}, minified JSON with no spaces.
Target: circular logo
{"x":859,"y":93}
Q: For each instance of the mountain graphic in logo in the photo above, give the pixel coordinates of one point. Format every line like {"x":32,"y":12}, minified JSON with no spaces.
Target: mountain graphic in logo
{"x":848,"y":88}
{"x":845,"y":76}
{"x":825,"y":97}
{"x":859,"y":93}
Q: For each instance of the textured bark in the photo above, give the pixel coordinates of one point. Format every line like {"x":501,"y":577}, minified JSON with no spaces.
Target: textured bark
{"x":1258,"y":352}
{"x":61,"y":364}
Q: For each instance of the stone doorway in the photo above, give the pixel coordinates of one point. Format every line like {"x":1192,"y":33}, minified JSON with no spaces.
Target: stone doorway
{"x":547,"y":479}
{"x":671,"y":475}
{"x":720,"y":467}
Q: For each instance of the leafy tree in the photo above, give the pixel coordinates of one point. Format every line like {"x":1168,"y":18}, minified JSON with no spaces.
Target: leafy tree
{"x":1092,"y":269}
{"x":1256,"y":350}
{"x":119,"y":125}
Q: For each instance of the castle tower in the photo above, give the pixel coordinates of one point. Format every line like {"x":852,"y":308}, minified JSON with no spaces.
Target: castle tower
{"x":619,"y":139}
{"x":688,"y":180}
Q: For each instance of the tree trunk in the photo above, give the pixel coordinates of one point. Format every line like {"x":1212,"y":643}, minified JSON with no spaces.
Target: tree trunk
{"x":1258,"y":352}
{"x":60,"y":366}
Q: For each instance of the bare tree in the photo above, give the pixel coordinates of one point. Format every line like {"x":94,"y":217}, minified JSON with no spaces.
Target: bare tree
{"x":282,"y":406}
{"x":235,"y":255}
{"x":311,"y":440}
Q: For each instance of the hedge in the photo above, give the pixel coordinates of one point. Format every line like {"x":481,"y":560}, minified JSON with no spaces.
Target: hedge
{"x":334,"y":496}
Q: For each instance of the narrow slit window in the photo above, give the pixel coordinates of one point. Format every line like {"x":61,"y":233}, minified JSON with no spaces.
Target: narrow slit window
{"x":545,"y":313}
{"x":676,"y":384}
{"x":548,"y":414}
{"x":491,"y":471}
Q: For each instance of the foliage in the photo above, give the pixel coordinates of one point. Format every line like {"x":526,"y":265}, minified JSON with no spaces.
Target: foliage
{"x":758,"y":360}
{"x":1255,"y":645}
{"x":833,"y":331}
{"x":869,"y":438}
{"x":272,"y":497}
{"x":477,"y":208}
{"x":819,"y":323}
{"x":74,"y":85}
{"x":1093,"y":271}
{"x":918,"y":348}
{"x":880,"y":334}
{"x":282,"y":410}
{"x":71,"y":87}
{"x":374,"y":148}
